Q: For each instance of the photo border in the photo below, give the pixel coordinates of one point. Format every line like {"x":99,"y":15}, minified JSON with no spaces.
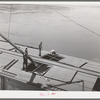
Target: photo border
{"x":88,"y":95}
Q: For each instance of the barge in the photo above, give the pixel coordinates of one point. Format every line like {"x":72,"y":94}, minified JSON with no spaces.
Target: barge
{"x":48,"y":73}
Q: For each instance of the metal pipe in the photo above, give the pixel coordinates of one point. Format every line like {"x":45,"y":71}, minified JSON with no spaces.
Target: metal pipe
{"x":3,"y":82}
{"x":16,"y":47}
{"x":11,"y":43}
{"x":83,"y":85}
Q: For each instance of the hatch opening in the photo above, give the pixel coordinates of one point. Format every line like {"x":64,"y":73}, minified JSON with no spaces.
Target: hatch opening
{"x":52,"y":57}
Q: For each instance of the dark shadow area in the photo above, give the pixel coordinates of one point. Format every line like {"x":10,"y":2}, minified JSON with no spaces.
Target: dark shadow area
{"x":38,"y":85}
{"x":38,"y":68}
{"x":31,"y":67}
{"x":97,"y":85}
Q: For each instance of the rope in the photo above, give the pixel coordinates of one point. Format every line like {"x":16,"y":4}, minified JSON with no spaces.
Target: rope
{"x":9,"y":21}
{"x":77,"y":23}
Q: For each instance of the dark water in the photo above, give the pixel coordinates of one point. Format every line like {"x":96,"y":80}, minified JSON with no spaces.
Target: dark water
{"x":31,"y":24}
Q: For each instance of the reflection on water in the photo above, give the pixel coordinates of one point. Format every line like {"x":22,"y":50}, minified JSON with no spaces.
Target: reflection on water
{"x":31,"y":24}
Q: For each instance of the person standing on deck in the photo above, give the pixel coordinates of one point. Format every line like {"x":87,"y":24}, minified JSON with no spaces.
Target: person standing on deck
{"x":40,"y":48}
{"x":25,"y":60}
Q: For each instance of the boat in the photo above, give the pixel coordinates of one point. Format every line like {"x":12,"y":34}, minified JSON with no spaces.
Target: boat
{"x":49,"y":72}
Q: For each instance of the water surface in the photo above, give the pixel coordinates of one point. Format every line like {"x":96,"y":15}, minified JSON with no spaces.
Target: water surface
{"x":31,"y":24}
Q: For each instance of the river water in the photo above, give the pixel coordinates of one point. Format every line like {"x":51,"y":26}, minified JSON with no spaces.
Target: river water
{"x":70,"y":30}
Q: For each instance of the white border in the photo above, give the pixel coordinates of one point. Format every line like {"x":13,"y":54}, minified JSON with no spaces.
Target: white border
{"x":36,"y":94}
{"x":49,"y":94}
{"x":49,"y":2}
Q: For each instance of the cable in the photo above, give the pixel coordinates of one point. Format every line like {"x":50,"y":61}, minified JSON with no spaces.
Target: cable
{"x":9,"y":21}
{"x":77,"y":23}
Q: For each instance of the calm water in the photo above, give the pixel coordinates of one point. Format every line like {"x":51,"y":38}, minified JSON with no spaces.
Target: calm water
{"x":31,"y":24}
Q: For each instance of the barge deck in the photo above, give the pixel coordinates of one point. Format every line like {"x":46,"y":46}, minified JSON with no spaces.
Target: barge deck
{"x":56,"y":73}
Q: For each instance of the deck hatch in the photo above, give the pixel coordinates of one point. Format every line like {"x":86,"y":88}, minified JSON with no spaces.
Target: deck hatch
{"x":38,"y":68}
{"x":42,"y":69}
{"x":52,"y":57}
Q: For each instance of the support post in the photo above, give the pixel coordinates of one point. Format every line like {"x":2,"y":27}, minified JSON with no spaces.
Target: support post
{"x":3,"y":83}
{"x":83,"y":85}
